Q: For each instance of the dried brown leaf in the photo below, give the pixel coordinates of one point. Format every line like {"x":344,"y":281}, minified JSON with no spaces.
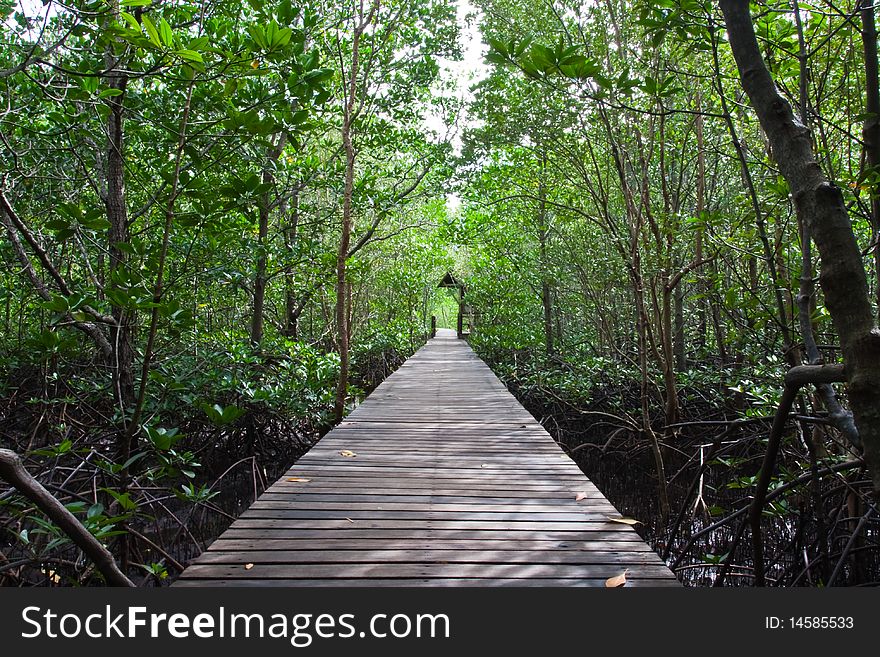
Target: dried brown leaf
{"x":299,"y":480}
{"x":248,"y":566}
{"x":580,"y":496}
{"x":617,"y":581}
{"x":348,"y":453}
{"x":625,"y":521}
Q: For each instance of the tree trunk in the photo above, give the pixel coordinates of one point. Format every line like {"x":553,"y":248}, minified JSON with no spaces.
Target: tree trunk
{"x":546,"y":288}
{"x":342,"y":318}
{"x":292,"y":309}
{"x":119,"y":234}
{"x":680,"y":350}
{"x":261,"y":278}
{"x":820,"y":205}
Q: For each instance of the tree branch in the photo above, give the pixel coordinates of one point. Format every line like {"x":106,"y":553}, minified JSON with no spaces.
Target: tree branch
{"x":13,"y":471}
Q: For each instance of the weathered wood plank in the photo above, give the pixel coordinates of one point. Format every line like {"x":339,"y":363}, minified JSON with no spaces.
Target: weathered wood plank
{"x":586,"y":524}
{"x":386,"y":504}
{"x":349,"y":532}
{"x":423,"y":515}
{"x":358,"y":495}
{"x":632,"y":581}
{"x":558,"y":556}
{"x":449,"y":544}
{"x":417,"y":570}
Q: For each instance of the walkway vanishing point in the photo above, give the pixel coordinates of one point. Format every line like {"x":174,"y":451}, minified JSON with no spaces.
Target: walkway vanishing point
{"x":439,"y":478}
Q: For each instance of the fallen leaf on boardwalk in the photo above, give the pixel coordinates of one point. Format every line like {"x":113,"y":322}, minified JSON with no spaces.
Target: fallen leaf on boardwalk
{"x":348,"y":453}
{"x":617,"y":581}
{"x":626,"y":521}
{"x":301,"y":480}
{"x":349,"y":519}
{"x":248,"y":566}
{"x":484,"y":465}
{"x":580,"y":496}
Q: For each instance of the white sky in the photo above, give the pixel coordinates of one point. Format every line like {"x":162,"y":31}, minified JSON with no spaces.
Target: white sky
{"x":464,"y":74}
{"x":467,"y":72}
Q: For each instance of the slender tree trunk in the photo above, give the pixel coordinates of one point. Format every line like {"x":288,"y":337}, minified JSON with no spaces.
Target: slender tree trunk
{"x":291,"y":314}
{"x":261,"y":279}
{"x":700,"y":209}
{"x":680,"y":351}
{"x":820,"y":205}
{"x":667,"y":346}
{"x":543,"y":236}
{"x":342,"y":294}
{"x":119,"y":235}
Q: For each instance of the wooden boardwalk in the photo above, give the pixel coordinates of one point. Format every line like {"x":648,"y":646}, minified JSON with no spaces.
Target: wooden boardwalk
{"x":440,"y":478}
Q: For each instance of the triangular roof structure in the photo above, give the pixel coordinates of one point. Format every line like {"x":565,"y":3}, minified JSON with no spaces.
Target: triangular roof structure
{"x":449,"y":281}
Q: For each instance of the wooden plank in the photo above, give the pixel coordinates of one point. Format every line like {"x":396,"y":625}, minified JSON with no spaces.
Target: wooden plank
{"x":349,"y":532}
{"x":247,"y":523}
{"x":344,"y":506}
{"x":224,"y":544}
{"x":358,"y":493}
{"x":632,"y":581}
{"x":423,"y":515}
{"x":418,"y":570}
{"x":385,"y":556}
{"x":294,"y":481}
{"x":453,"y":483}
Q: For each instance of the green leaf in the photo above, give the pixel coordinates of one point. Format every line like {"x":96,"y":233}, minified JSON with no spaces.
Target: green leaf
{"x":124,"y":499}
{"x":89,"y":83}
{"x":220,"y":415}
{"x":542,"y":57}
{"x":165,"y":32}
{"x":58,"y":224}
{"x":151,"y":31}
{"x":189,"y":55}
{"x":579,"y":67}
{"x":57,"y":304}
{"x":496,"y":58}
{"x":62,"y":448}
{"x":131,"y":20}
{"x":107,"y":93}
{"x":498,"y":47}
{"x":136,"y":3}
{"x":132,"y":460}
{"x":259,"y":36}
{"x":161,"y":438}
